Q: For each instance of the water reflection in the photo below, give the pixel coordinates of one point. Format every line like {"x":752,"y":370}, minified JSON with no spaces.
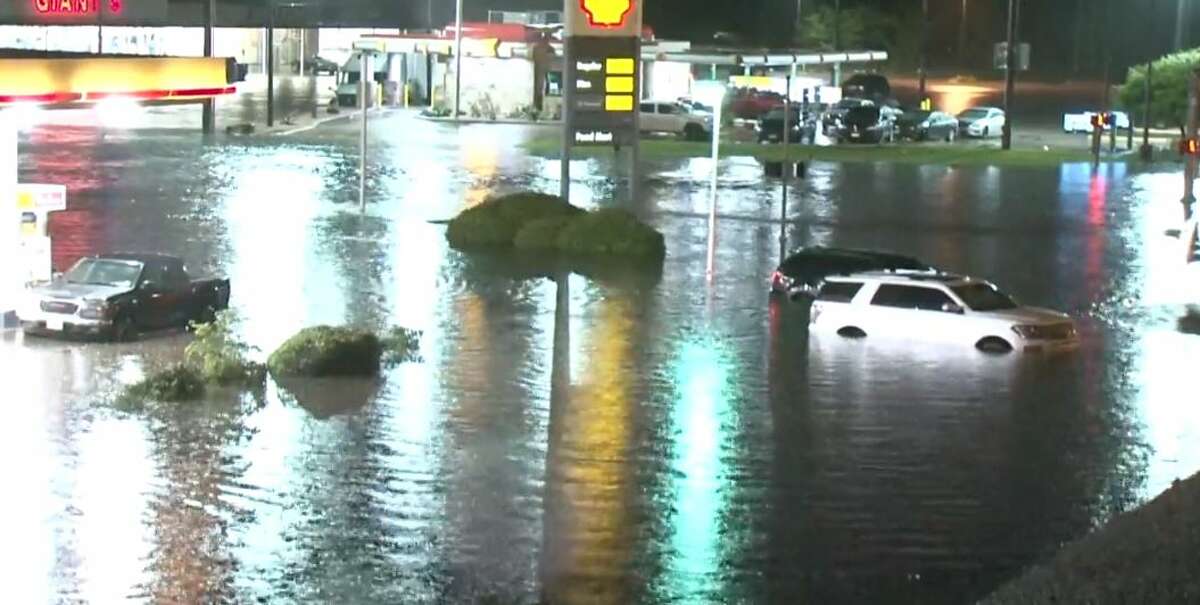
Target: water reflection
{"x":609,"y":437}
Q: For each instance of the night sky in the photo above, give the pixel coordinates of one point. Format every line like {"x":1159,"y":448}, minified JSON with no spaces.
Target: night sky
{"x":1146,"y":27}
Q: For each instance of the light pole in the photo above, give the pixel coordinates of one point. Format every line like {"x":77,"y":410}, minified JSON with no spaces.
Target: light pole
{"x":712,"y":94}
{"x":962,"y":33}
{"x":1180,"y":16}
{"x":458,"y":35}
{"x":1010,"y":76}
{"x":924,"y":51}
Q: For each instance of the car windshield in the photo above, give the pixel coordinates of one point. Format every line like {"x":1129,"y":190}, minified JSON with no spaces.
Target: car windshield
{"x":916,"y":116}
{"x":102,"y":272}
{"x":863,"y":115}
{"x":974,"y":114}
{"x":983,"y":297}
{"x":850,"y":103}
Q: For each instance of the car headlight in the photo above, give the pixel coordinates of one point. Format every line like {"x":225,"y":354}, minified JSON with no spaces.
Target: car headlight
{"x":94,"y":309}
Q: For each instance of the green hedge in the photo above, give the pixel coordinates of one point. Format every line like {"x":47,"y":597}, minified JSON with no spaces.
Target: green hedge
{"x":179,"y":382}
{"x":328,"y":351}
{"x":497,"y":221}
{"x":534,"y":222}
{"x":611,"y":231}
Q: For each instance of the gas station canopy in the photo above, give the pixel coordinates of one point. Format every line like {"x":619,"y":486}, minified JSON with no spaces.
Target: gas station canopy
{"x":66,"y":80}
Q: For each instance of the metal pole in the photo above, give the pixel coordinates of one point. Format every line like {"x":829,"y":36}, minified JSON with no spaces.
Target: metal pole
{"x":922,"y":69}
{"x":208,"y":118}
{"x":100,"y":27}
{"x":1010,"y":63}
{"x":1112,"y":132}
{"x":1180,"y":17}
{"x":785,"y":173}
{"x":564,"y":164}
{"x":364,"y":64}
{"x":458,"y":35}
{"x":962,"y":33}
{"x":837,"y":40}
{"x":635,"y":145}
{"x":301,"y":30}
{"x":712,"y":200}
{"x":271,"y":68}
{"x":1147,"y":99}
{"x":1193,"y":123}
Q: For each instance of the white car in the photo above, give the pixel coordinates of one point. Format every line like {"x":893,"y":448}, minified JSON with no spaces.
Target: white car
{"x":1082,"y":122}
{"x":940,"y":308}
{"x":672,"y":117}
{"x":981,"y":122}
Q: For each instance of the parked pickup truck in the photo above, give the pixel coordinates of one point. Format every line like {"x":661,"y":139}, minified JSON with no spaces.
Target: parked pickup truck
{"x":120,"y":295}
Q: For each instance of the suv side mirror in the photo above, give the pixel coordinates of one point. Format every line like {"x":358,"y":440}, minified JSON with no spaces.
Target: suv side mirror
{"x":950,"y":307}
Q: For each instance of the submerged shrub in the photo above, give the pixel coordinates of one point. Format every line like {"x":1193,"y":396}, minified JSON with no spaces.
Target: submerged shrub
{"x":328,"y":351}
{"x":177,"y":383}
{"x":611,"y":231}
{"x":497,"y":221}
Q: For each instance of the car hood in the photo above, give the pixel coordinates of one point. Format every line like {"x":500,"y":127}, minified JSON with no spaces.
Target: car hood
{"x":1026,"y":315}
{"x":68,"y":291}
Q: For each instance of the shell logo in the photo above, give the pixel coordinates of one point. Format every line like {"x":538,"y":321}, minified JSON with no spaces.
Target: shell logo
{"x":606,"y":13}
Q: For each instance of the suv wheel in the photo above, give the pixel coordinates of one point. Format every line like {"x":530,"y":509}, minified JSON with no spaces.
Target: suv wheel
{"x":994,"y":344}
{"x":951,"y":135}
{"x":694,"y":132}
{"x":124,"y":329}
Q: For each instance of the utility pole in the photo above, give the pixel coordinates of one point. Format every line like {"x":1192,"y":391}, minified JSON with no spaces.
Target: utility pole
{"x":923,"y":68}
{"x":1010,"y":64}
{"x":271,"y":66}
{"x":1147,"y":99}
{"x":1193,"y":123}
{"x":785,"y":171}
{"x":837,"y":40}
{"x":208,"y":119}
{"x":1181,"y":14}
{"x":458,"y":36}
{"x":962,"y":33}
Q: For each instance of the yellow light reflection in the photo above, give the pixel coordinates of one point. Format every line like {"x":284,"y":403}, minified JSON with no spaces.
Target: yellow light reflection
{"x":481,"y":158}
{"x":954,"y":98}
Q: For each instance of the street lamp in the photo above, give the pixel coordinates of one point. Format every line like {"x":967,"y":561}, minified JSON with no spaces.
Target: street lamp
{"x":712,"y":94}
{"x":458,"y":36}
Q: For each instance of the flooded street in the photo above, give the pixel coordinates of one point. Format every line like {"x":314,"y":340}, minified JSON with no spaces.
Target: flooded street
{"x":662,"y":439}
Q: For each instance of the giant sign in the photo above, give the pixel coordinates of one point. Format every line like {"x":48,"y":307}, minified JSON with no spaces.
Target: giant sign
{"x":82,"y":12}
{"x":602,"y":71}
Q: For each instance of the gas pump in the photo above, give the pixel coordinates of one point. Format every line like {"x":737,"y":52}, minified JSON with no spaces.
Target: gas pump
{"x":35,"y":202}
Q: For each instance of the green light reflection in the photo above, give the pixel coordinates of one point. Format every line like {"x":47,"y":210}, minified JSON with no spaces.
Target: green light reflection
{"x":700,"y":424}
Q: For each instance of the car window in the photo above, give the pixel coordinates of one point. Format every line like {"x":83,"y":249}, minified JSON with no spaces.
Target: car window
{"x":175,"y":276}
{"x":155,"y":272}
{"x":667,"y":109}
{"x":104,"y":272}
{"x":983,"y":297}
{"x":646,"y":108}
{"x":974,"y":114}
{"x":910,"y":297}
{"x":839,"y":291}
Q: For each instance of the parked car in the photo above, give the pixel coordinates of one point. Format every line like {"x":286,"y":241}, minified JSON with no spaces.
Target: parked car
{"x":751,"y":104}
{"x":869,"y":124}
{"x":873,"y":87}
{"x":834,"y":115}
{"x":317,"y":66}
{"x":981,"y":122}
{"x":927,"y":126}
{"x":121,"y":295}
{"x":940,"y":308}
{"x":672,"y":118}
{"x":1082,"y":122}
{"x":694,"y":105}
{"x":802,"y":273}
{"x":801,"y":126}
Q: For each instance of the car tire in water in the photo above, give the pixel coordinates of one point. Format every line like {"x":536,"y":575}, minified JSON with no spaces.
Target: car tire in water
{"x":994,"y":344}
{"x":985,"y":132}
{"x":950,"y":136}
{"x":124,"y":329}
{"x":694,"y":132}
{"x":851,"y":332}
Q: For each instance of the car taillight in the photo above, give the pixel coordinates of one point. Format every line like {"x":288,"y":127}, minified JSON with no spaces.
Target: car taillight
{"x":776,"y":278}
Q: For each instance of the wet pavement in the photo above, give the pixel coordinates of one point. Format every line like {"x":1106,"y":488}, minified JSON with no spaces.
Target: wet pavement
{"x":659,"y":439}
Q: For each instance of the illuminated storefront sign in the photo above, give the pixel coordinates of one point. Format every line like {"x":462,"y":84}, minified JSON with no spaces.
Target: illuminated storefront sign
{"x":607,"y":13}
{"x":74,"y":7}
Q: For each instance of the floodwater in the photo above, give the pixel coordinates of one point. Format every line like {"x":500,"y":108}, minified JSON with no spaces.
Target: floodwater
{"x":656,"y":439}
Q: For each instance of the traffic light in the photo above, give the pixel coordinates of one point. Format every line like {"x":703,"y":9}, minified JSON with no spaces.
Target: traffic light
{"x":1098,"y":120}
{"x":926,"y":104}
{"x":1189,"y":146}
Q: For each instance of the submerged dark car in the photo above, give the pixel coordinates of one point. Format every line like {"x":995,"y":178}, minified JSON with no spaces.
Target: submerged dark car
{"x":801,"y":126}
{"x":802,"y":274}
{"x":119,"y":295}
{"x":867,"y":125}
{"x":927,"y":126}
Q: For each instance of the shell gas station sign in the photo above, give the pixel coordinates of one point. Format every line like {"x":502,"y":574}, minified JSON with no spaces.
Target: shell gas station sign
{"x":603,"y":72}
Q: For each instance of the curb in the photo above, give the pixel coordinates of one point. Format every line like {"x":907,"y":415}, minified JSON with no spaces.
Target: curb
{"x":498,"y":121}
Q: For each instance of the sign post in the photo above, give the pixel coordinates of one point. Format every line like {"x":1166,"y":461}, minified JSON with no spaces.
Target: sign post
{"x":602,"y":77}
{"x":10,"y":287}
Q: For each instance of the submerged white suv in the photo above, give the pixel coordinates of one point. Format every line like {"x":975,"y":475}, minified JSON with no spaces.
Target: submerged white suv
{"x":931,"y":307}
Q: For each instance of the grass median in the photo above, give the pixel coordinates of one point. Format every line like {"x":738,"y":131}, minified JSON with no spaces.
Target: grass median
{"x":961,"y":154}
